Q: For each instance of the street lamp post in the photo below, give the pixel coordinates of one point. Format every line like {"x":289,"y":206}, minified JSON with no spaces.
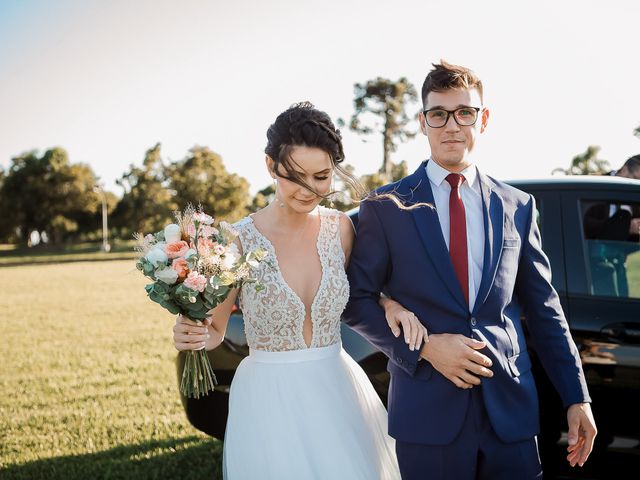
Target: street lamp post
{"x":105,"y":232}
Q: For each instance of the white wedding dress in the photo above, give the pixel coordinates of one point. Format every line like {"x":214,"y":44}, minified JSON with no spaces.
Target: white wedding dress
{"x":298,"y":412}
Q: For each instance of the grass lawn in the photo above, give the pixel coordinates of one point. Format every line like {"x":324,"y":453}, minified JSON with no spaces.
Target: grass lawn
{"x":87,"y":379}
{"x":16,"y":255}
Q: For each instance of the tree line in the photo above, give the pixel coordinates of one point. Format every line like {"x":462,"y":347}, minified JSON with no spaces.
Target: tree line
{"x":48,"y":194}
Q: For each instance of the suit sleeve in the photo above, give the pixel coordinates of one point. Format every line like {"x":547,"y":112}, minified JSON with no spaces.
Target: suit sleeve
{"x":548,"y":328}
{"x":368,"y":273}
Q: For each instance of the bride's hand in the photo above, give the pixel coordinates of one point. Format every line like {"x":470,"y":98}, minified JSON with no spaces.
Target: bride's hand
{"x":188,"y":335}
{"x":414,"y":331}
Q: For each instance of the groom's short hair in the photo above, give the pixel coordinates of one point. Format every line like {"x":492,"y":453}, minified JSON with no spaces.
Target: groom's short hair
{"x":446,"y":76}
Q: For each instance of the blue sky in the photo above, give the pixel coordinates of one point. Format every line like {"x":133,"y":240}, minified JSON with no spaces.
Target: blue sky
{"x":108,"y":79}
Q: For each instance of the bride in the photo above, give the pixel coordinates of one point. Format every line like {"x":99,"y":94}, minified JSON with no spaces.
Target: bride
{"x":300,"y":407}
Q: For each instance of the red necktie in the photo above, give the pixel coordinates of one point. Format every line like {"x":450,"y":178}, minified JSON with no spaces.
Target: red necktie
{"x":458,"y":233}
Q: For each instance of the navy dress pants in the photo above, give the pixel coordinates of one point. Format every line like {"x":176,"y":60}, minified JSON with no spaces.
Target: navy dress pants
{"x":476,"y":454}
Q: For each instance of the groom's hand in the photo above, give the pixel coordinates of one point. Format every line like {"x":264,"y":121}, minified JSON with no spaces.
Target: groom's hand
{"x":457,"y":358}
{"x":582,"y":432}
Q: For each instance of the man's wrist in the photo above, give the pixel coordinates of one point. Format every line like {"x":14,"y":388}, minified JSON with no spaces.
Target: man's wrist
{"x":423,"y":352}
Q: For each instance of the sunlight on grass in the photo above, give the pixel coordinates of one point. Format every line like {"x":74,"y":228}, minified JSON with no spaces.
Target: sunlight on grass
{"x":88,"y":379}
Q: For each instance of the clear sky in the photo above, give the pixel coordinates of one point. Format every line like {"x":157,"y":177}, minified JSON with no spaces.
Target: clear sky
{"x":106,"y":80}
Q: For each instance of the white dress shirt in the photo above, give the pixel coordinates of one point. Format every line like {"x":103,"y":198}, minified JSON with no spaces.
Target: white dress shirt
{"x":472,"y":200}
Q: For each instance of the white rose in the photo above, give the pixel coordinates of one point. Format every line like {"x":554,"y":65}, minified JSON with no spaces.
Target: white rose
{"x":156,"y":255}
{"x":172,"y":233}
{"x":167,"y":275}
{"x":230,"y":257}
{"x":233,"y":248}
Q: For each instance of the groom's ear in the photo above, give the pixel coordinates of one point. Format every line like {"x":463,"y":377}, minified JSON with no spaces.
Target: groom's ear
{"x":423,"y":123}
{"x":484,"y":120}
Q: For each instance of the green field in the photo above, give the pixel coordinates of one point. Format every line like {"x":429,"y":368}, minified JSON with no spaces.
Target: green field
{"x":87,"y":378}
{"x":14,"y":255}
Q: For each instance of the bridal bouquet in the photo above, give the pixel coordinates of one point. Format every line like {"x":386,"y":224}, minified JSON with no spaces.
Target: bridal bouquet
{"x":194,"y":266}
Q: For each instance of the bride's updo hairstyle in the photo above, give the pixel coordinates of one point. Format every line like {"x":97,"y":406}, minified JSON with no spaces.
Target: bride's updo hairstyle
{"x":302,"y":125}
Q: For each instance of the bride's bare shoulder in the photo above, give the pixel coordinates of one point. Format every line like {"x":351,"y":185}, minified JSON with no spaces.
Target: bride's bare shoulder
{"x":346,"y":228}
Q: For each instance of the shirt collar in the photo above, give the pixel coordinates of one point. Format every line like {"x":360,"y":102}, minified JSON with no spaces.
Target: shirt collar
{"x":437,"y":174}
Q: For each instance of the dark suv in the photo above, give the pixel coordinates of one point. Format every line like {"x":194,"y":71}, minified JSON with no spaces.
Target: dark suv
{"x":589,"y":235}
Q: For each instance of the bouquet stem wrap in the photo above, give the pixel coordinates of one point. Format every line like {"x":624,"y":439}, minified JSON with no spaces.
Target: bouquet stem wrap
{"x":198,"y":377}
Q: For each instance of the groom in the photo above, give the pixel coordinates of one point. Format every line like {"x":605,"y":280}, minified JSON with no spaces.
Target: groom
{"x":464,"y":405}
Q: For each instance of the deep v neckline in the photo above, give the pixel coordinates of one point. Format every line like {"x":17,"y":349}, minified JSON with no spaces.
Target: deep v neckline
{"x":288,"y":287}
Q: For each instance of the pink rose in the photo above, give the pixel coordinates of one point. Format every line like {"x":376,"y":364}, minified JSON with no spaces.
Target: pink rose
{"x":205,"y":244}
{"x":196,"y":281}
{"x":181,"y":266}
{"x":176,"y":249}
{"x":219,"y":249}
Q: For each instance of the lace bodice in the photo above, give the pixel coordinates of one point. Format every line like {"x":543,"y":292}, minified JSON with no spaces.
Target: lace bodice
{"x":274,"y":317}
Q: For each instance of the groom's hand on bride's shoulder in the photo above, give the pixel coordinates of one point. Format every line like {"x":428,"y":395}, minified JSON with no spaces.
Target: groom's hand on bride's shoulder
{"x":457,"y":358}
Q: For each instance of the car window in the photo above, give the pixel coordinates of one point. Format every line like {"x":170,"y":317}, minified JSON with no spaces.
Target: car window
{"x":611,"y":232}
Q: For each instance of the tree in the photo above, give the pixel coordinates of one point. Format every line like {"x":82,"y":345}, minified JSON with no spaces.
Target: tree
{"x":262,"y":198}
{"x":636,"y":132}
{"x":47,"y":194}
{"x":376,"y":180}
{"x":586,"y":163}
{"x":5,"y":214}
{"x":344,"y":200}
{"x":383,"y":103}
{"x":201,"y":178}
{"x":147,"y":204}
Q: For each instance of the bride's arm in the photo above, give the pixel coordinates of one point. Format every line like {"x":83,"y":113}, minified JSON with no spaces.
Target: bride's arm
{"x":347,"y":236}
{"x":396,"y":314}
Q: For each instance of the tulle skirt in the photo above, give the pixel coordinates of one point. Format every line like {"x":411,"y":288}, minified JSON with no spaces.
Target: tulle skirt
{"x":306,"y":414}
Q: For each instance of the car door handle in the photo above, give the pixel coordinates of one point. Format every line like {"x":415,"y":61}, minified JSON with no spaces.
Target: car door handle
{"x":623,"y":331}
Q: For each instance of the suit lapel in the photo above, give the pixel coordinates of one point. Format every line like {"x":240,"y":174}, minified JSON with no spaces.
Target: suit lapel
{"x":493,"y":216}
{"x":428,"y":225}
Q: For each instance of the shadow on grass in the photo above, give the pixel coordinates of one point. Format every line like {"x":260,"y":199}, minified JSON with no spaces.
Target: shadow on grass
{"x":191,"y":458}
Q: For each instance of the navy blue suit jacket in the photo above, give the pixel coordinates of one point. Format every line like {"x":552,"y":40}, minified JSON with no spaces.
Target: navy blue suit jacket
{"x":404,"y":254}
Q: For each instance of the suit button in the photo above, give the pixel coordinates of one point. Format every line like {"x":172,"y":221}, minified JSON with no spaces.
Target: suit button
{"x":399,"y":360}
{"x":473,"y":321}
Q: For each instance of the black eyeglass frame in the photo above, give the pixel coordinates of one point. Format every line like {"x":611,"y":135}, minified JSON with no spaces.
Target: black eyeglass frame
{"x":452,"y":112}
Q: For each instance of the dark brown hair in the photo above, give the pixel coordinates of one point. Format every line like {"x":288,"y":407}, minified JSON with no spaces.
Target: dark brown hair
{"x":633,"y":165}
{"x":304,"y":125}
{"x":446,"y":76}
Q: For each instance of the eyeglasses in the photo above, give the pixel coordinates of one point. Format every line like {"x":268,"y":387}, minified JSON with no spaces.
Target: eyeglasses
{"x":464,"y":116}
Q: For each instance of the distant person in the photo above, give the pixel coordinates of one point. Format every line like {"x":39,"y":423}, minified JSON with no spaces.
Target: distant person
{"x":630,"y":168}
{"x":617,"y":227}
